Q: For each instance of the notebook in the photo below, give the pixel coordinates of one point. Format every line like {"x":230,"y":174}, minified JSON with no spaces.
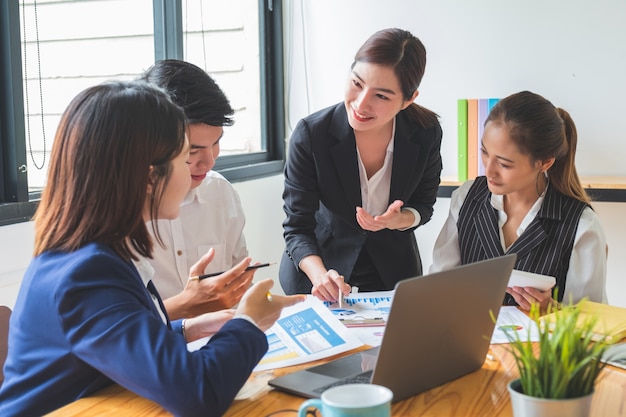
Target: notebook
{"x":438,"y":329}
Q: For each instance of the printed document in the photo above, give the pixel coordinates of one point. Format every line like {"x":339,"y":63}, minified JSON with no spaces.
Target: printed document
{"x":515,"y":322}
{"x":306,"y":332}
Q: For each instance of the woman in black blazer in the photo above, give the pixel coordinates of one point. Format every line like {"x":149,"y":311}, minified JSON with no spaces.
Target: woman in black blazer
{"x":361,"y":176}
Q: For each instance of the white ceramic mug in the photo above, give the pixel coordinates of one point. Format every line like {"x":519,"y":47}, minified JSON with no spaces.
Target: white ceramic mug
{"x":351,"y":400}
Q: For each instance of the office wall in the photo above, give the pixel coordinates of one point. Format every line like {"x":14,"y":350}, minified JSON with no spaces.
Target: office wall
{"x":573,"y":52}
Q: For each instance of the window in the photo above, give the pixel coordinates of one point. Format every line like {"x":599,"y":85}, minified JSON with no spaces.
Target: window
{"x":65,"y":46}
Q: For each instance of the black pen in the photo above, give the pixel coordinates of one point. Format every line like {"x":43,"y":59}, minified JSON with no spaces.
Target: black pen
{"x":214,"y":274}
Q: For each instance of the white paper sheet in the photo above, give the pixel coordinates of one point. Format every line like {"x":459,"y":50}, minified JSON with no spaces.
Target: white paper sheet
{"x":529,"y":279}
{"x":306,"y":332}
{"x":511,"y":318}
{"x":367,"y":309}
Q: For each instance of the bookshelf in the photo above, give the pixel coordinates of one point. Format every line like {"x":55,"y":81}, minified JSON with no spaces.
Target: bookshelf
{"x":600,"y":188}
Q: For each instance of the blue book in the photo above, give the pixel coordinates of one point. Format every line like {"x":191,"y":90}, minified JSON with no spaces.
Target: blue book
{"x":492,"y":102}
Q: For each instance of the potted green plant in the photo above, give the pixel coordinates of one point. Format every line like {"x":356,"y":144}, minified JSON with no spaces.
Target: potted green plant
{"x":557,"y":376}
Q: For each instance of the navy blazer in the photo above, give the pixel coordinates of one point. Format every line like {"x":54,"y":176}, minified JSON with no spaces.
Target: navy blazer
{"x":322,"y":191}
{"x":84,"y":319}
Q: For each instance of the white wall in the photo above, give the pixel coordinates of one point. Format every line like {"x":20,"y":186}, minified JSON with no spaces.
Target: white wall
{"x":16,"y":248}
{"x":263,"y":204}
{"x":572,"y":52}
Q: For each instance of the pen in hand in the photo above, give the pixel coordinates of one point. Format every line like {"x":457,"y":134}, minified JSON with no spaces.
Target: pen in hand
{"x":214,"y":274}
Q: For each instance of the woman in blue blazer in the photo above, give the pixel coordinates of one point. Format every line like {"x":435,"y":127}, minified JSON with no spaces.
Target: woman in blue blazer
{"x":361,"y":176}
{"x":87,"y":313}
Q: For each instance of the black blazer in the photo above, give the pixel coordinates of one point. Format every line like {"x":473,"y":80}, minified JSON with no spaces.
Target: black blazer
{"x":322,"y":191}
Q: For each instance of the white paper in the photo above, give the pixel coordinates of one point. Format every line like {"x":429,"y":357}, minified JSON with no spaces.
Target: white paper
{"x":365,"y":309}
{"x":516,"y":323}
{"x":529,"y":279}
{"x":371,"y":336}
{"x":365,"y":314}
{"x":306,"y":332}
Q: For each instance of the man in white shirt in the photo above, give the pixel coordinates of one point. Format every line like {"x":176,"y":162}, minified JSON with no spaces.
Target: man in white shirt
{"x":208,"y":235}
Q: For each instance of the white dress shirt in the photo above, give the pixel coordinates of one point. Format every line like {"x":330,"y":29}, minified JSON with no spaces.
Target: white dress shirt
{"x":375,"y":190}
{"x":211,"y":216}
{"x":585,"y":278}
{"x":146,"y":272}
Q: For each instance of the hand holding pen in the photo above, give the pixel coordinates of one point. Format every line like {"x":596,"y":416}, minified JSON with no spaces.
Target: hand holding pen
{"x":220,"y":292}
{"x":331,"y":287}
{"x":214,"y":274}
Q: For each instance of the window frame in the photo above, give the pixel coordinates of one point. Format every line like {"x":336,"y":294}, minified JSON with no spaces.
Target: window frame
{"x":18,"y":205}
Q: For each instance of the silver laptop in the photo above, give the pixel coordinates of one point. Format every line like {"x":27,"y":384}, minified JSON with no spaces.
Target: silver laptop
{"x":439,"y":329}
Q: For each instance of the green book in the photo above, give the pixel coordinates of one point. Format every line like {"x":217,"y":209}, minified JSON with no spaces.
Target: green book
{"x":462,"y":138}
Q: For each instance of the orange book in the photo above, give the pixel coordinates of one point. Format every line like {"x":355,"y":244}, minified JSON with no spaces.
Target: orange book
{"x":472,"y":138}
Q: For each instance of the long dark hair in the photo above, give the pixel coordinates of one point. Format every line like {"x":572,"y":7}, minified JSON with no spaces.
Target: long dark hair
{"x":542,"y":131}
{"x":108,"y":139}
{"x":405,"y":53}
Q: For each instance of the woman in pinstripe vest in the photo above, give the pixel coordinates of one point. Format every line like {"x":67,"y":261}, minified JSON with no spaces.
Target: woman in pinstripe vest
{"x":530,"y":202}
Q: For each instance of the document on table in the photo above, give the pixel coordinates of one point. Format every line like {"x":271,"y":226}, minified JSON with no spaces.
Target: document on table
{"x":365,"y":309}
{"x":515,"y":322}
{"x":365,"y":314}
{"x":306,"y":332}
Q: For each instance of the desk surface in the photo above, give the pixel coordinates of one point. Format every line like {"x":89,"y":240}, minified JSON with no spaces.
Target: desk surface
{"x":481,"y":393}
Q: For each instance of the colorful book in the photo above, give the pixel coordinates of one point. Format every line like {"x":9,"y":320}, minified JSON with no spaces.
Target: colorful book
{"x":492,"y":102}
{"x":472,"y":138}
{"x":483,"y":112}
{"x":462,"y":139}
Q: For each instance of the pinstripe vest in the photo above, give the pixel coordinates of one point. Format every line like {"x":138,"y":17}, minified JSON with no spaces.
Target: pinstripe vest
{"x":544,"y":247}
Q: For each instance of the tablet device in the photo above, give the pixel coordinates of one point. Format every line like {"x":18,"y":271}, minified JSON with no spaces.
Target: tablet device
{"x":529,"y":279}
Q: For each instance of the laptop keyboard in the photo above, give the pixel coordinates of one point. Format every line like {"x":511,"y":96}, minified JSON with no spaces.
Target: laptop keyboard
{"x":362,"y":378}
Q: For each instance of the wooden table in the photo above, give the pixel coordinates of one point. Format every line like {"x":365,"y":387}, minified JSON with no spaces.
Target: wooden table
{"x":481,"y":393}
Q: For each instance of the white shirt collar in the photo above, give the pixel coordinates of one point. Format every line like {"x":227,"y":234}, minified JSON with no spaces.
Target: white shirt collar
{"x":497,"y":202}
{"x":191,"y":196}
{"x":146,"y":271}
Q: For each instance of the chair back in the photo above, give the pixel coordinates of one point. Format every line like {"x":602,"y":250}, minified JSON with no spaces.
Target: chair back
{"x":5,"y":314}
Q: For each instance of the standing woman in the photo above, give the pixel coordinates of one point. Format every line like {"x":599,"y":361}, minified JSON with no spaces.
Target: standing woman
{"x":85,"y":316}
{"x":530,"y":202}
{"x":361,"y":176}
